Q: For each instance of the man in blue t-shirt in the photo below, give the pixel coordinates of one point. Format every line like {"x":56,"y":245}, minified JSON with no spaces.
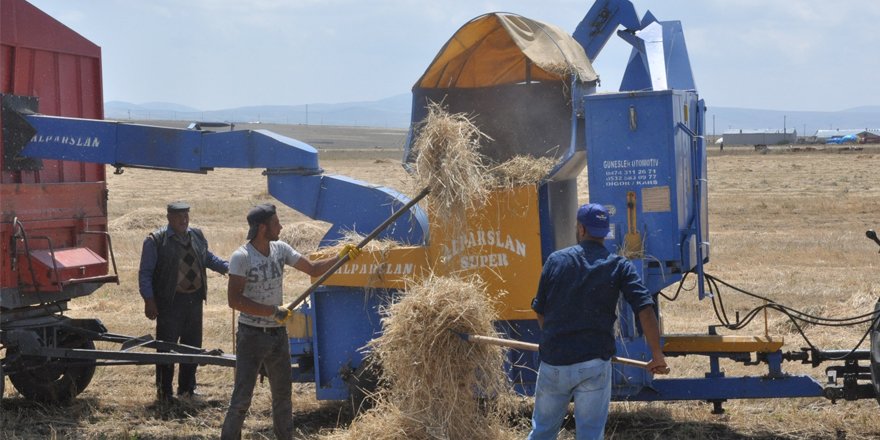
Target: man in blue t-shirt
{"x":576,"y":305}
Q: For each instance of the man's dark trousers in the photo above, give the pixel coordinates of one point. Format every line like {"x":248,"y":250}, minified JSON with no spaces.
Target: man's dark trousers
{"x":179,"y":323}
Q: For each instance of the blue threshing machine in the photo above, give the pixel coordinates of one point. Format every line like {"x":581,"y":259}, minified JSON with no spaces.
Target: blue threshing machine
{"x":646,"y":158}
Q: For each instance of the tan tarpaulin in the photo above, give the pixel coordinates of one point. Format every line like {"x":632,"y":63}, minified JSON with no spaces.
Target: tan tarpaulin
{"x":498,"y":48}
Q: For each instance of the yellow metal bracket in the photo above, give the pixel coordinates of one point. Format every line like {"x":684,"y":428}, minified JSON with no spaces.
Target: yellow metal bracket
{"x":721,"y":344}
{"x":632,"y":242}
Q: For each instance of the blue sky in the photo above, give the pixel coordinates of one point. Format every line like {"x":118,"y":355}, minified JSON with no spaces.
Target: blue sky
{"x":214,"y":54}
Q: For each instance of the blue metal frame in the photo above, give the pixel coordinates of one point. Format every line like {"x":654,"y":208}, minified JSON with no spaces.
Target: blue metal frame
{"x":344,"y":320}
{"x":659,"y":59}
{"x":723,"y":388}
{"x":605,"y":128}
{"x":603,"y":18}
{"x":635,"y":144}
{"x":715,"y":386}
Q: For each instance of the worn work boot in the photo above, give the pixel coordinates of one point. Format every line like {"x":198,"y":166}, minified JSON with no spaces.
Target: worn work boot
{"x":164,"y":397}
{"x":190,"y":394}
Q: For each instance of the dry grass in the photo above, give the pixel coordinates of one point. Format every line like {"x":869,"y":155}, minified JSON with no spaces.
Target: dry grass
{"x":449,"y":164}
{"x":374,"y":245}
{"x":431,"y":378}
{"x":141,"y":219}
{"x":560,"y":68}
{"x":304,"y":236}
{"x":376,"y":248}
{"x":521,"y":170}
{"x":789,"y":226}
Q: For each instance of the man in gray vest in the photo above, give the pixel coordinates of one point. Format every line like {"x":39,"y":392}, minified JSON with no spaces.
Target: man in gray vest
{"x":173,"y":283}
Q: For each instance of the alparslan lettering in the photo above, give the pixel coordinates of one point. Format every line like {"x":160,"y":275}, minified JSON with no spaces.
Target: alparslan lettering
{"x":482,"y":238}
{"x":76,"y":141}
{"x":376,"y":269}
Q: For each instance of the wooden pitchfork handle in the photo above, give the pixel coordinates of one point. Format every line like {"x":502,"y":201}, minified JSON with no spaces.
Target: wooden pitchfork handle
{"x":528,"y":346}
{"x":360,"y":245}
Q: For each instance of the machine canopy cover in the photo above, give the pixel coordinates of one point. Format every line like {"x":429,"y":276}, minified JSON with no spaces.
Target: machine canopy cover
{"x":497,"y":48}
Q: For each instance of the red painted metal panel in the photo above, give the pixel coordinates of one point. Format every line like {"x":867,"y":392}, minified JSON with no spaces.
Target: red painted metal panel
{"x":63,"y":213}
{"x":41,"y":57}
{"x":6,"y":54}
{"x":69,"y":264}
{"x":53,"y":201}
{"x":69,"y":258}
{"x":25,"y":25}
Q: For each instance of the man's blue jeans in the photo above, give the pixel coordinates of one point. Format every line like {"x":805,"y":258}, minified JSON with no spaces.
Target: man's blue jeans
{"x":588,"y":382}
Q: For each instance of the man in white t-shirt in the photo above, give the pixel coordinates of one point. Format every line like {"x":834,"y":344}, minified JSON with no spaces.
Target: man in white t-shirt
{"x":256,"y":275}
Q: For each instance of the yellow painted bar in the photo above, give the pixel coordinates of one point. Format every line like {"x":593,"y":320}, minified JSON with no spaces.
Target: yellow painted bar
{"x":382,"y":269}
{"x":721,"y":343}
{"x":299,"y":325}
{"x":501,"y":244}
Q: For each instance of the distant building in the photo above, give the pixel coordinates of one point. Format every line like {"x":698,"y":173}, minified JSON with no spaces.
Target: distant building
{"x":870,"y":136}
{"x":863,"y":136}
{"x":756,"y":137}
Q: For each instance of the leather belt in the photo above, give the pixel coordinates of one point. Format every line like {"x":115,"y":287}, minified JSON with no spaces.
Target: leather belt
{"x":271,"y":330}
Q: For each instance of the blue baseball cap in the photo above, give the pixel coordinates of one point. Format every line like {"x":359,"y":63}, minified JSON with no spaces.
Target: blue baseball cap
{"x":595,"y":219}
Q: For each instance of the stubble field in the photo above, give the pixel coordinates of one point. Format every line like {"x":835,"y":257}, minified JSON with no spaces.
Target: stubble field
{"x":789,"y":225}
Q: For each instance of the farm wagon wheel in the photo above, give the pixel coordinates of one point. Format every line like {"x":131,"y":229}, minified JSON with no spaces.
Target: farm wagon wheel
{"x":55,"y":380}
{"x":875,"y":351}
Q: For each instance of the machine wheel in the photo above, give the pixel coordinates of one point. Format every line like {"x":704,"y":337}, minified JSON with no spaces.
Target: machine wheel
{"x":363,"y":383}
{"x":875,"y":352}
{"x":2,"y":382}
{"x":55,"y":380}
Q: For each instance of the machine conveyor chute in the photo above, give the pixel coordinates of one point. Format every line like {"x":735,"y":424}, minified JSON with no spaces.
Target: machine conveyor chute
{"x":146,"y":146}
{"x":293,"y":174}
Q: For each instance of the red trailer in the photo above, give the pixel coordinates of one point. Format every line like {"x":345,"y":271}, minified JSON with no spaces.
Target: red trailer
{"x":54,"y":244}
{"x":53,"y":228}
{"x":54,"y":216}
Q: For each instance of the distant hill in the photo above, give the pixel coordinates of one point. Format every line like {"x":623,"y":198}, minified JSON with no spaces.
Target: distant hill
{"x":865,"y":109}
{"x":389,"y":112}
{"x":394,"y":112}
{"x":147,"y":106}
{"x":726,"y":118}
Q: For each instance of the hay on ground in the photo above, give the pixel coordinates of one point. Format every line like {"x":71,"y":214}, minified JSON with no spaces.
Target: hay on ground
{"x":432,"y":380}
{"x":448,"y":163}
{"x":141,"y":219}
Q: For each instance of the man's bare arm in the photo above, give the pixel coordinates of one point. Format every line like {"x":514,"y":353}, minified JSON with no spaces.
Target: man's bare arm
{"x":315,"y":268}
{"x":651,"y":328}
{"x":237,"y":300}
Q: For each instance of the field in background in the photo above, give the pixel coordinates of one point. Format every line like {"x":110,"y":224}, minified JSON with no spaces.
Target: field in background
{"x":789,"y":225}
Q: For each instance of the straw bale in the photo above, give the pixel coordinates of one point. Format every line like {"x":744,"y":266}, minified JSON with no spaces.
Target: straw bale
{"x":309,"y":237}
{"x":433,"y":383}
{"x":374,"y":245}
{"x":521,"y":170}
{"x":449,"y":164}
{"x":303,"y":236}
